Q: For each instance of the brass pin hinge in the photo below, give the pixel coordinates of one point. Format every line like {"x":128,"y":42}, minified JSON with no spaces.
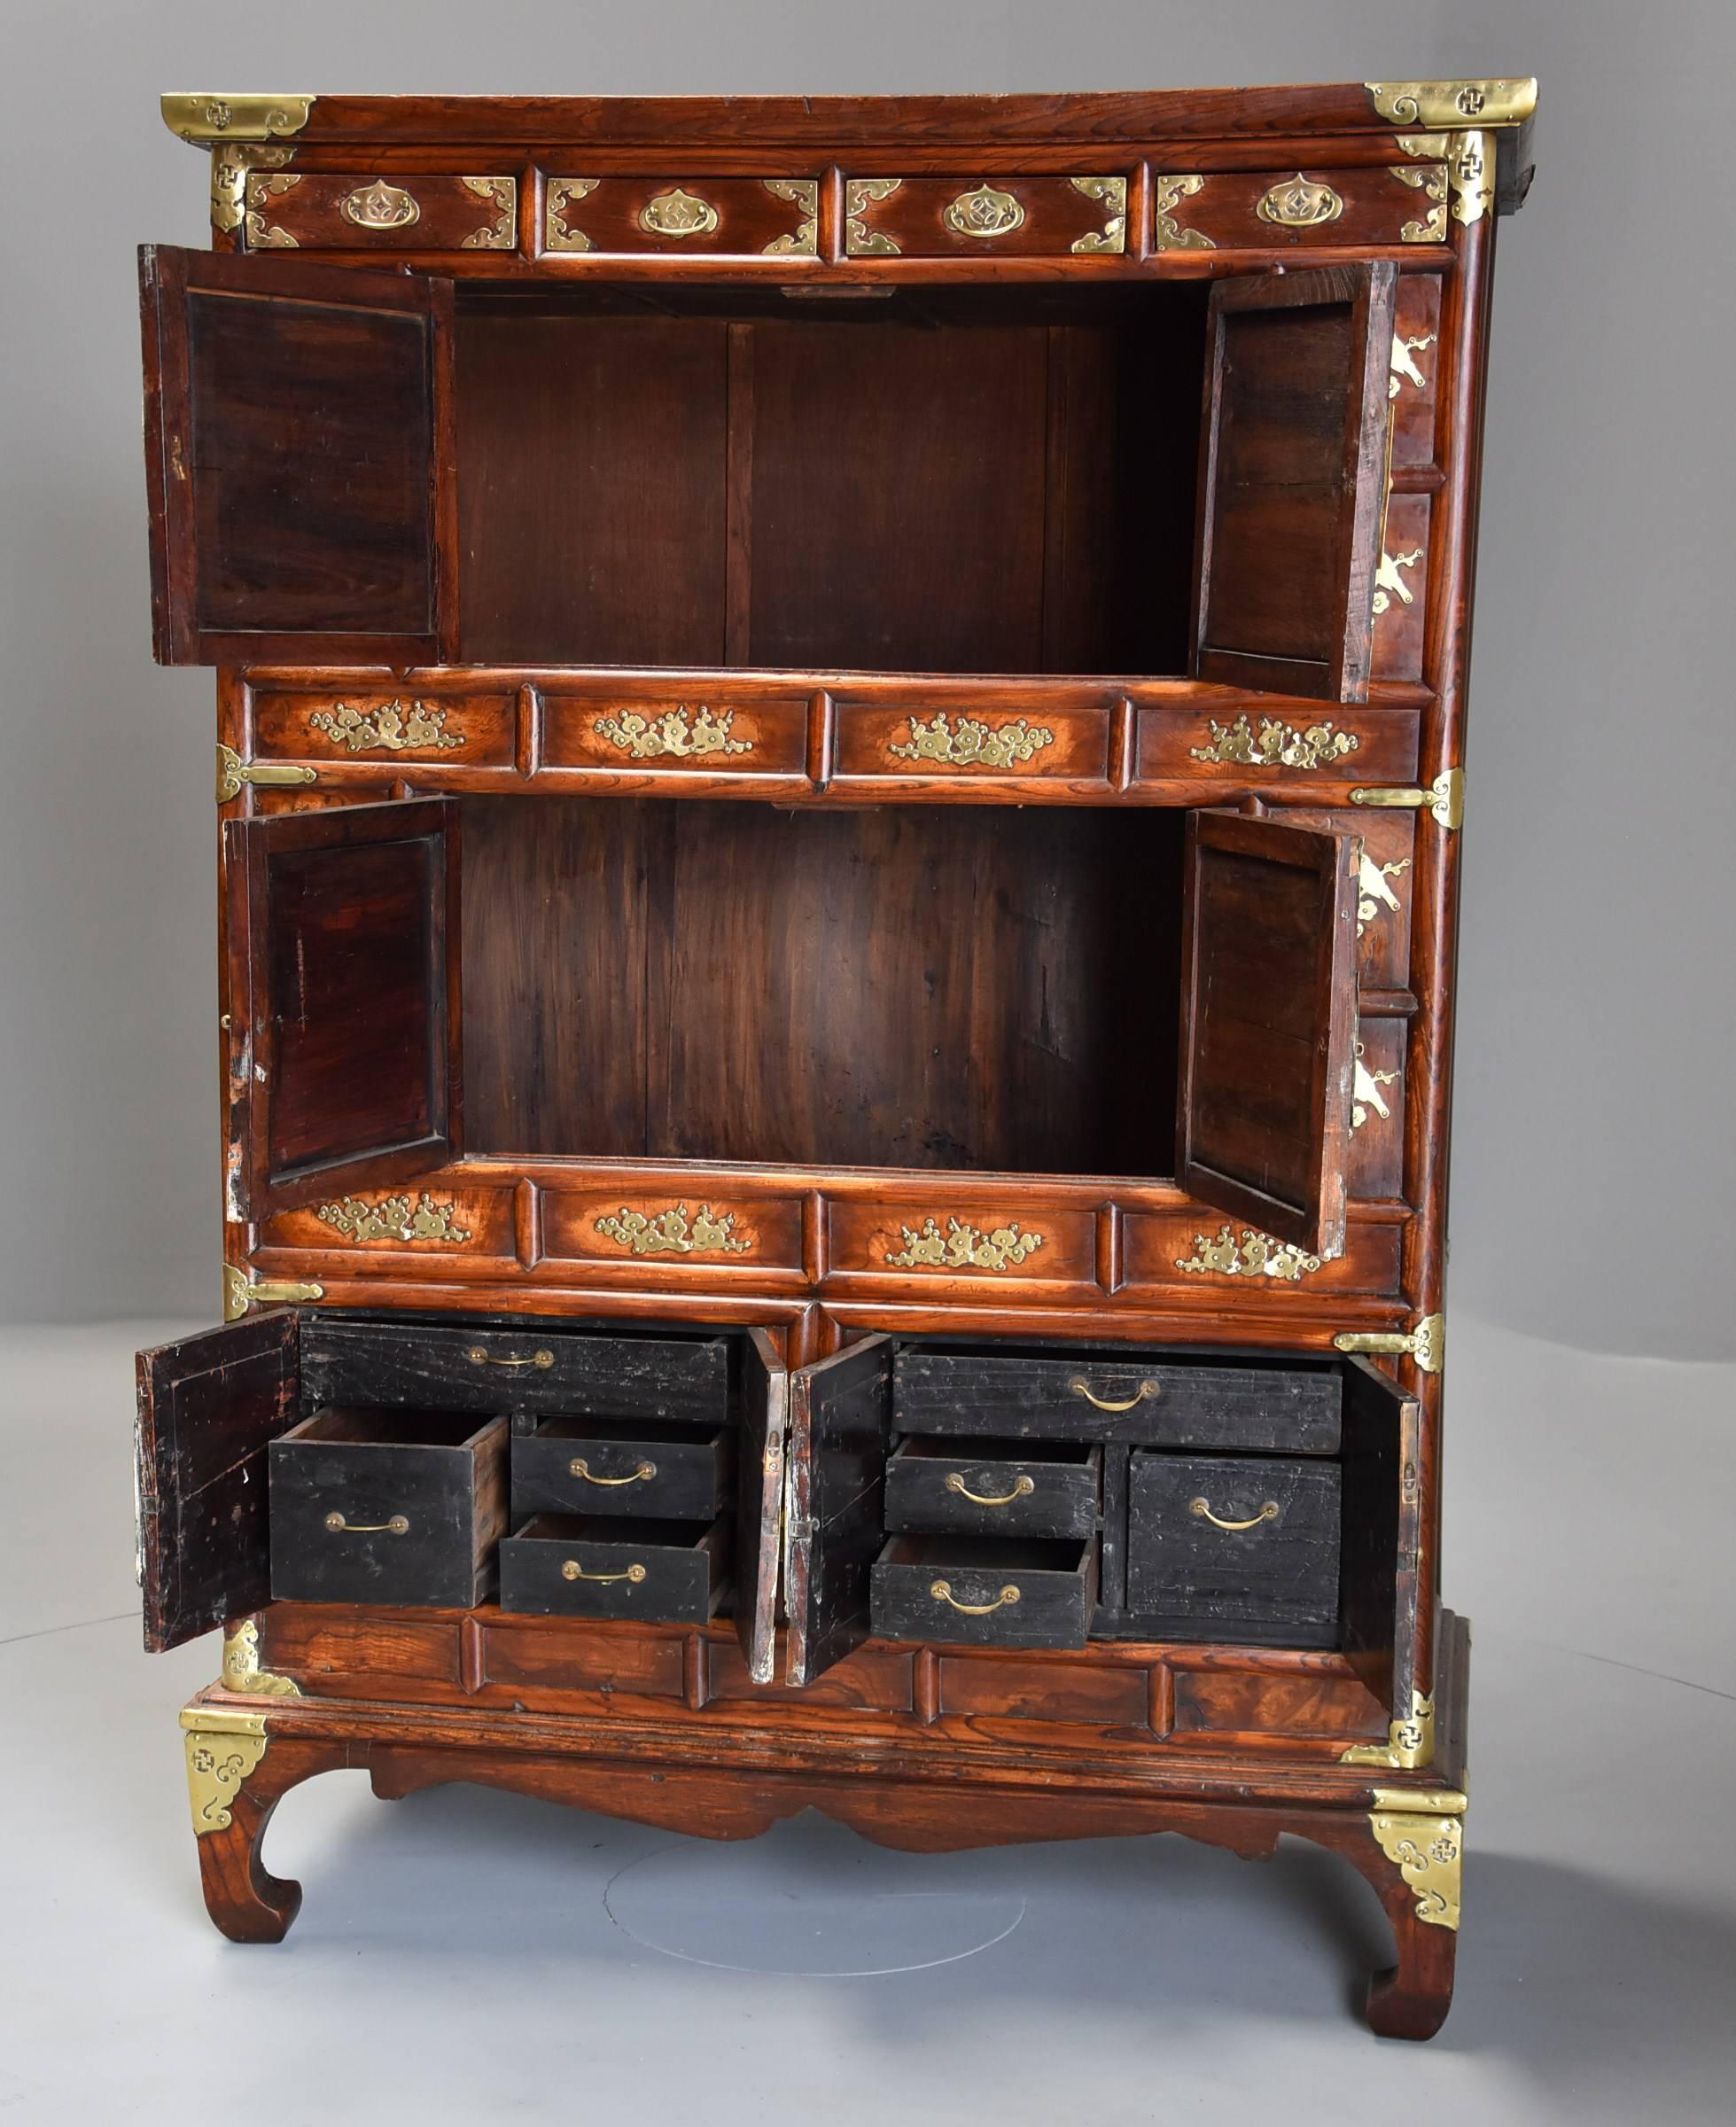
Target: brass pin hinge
{"x":240,"y":1293}
{"x":1426,"y":1343}
{"x":1444,"y":799}
{"x":232,"y":772}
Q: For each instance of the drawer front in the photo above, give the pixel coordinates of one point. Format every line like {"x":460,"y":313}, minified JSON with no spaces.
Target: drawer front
{"x":999,"y":1494}
{"x":381,"y":725}
{"x":682,"y":217}
{"x":540,"y":1370}
{"x":1129,"y":1396}
{"x":984,"y":1591}
{"x":568,"y":1469}
{"x":662,"y":735}
{"x":1234,"y":1542}
{"x":379,"y":1523}
{"x":332,"y":210}
{"x":1263,"y":210}
{"x":658,"y":1571}
{"x":971,"y":217}
{"x":975,"y":742}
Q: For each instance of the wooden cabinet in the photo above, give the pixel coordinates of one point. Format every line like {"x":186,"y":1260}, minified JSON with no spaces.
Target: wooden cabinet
{"x":840,"y":748}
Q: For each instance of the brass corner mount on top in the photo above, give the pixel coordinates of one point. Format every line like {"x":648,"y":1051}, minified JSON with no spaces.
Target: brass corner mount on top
{"x":1425,"y":106}
{"x":205,"y":119}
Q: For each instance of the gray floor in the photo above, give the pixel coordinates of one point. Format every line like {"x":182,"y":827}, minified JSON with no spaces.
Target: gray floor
{"x":473,"y":1957}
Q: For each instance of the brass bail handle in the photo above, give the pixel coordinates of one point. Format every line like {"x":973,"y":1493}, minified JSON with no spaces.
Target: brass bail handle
{"x":582,"y":1468}
{"x":399,"y":1526}
{"x":1021,"y":1486}
{"x":1203,"y":1507}
{"x":571,"y":1569}
{"x":1147,"y":1392}
{"x":942,"y":1592}
{"x":480,"y":1355}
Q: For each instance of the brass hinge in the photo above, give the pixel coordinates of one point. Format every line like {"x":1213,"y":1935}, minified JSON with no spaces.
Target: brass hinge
{"x":1426,"y":1343}
{"x":1444,"y":799}
{"x":240,"y":1292}
{"x":232,"y":772}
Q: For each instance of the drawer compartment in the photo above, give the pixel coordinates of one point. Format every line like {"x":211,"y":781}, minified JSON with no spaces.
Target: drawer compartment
{"x":1027,"y":215}
{"x":989,"y":1591}
{"x":535,"y":1368}
{"x":994,"y":1487}
{"x":588,"y":1566}
{"x":584,"y":1466}
{"x":1288,"y":1408}
{"x":1234,"y":1542}
{"x":387,"y":1507}
{"x":353,"y":210}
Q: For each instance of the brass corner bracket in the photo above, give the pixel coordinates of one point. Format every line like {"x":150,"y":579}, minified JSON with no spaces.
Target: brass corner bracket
{"x":1427,"y":105}
{"x":232,"y":772}
{"x":241,"y":1672}
{"x":1443,"y":800}
{"x":1422,"y":1832}
{"x":240,"y":1292}
{"x":1426,"y":1343}
{"x":1409,"y":1744}
{"x":205,"y":119}
{"x":224,"y":1746}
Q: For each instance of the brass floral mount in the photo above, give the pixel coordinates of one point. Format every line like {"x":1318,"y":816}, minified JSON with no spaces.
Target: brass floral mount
{"x":1366,"y":1092}
{"x":1422,"y":1833}
{"x":1255,"y":1256}
{"x":394,"y":1219}
{"x":970,"y":743}
{"x":1373,"y":892}
{"x":1275,"y":745}
{"x":668,"y":1233}
{"x":689,"y":735}
{"x":241,"y":1672}
{"x":1388,"y":584}
{"x":963,"y":1247}
{"x":1403,"y":361}
{"x":390,"y":725}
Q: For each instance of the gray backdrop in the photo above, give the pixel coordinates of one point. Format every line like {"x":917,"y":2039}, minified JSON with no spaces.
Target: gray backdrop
{"x":1595,"y":1145}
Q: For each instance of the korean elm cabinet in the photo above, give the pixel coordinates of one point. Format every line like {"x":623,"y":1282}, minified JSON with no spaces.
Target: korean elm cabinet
{"x":841,"y":768}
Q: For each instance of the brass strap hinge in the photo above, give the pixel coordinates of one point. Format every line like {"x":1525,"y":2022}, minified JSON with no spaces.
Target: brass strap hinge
{"x":240,"y":1293}
{"x":1444,"y":799}
{"x":1426,"y":1343}
{"x":232,"y":772}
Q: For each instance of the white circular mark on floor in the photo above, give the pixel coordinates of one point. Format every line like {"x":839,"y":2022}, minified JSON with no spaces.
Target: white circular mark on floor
{"x":807,"y":1901}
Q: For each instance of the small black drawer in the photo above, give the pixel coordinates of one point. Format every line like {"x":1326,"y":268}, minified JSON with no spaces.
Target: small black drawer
{"x":994,"y":1487}
{"x":991,"y":1591}
{"x":1232,"y":1541}
{"x":1114,"y":1394}
{"x":539,"y":1369}
{"x":387,"y":1507}
{"x":583,"y":1566}
{"x":636,"y":1466}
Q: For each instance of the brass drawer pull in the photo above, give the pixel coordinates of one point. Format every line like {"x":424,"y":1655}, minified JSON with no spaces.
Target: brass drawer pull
{"x":1146,"y":1391}
{"x":1203,"y":1507}
{"x":399,"y":1526}
{"x":380,"y":206}
{"x":942,"y":1592}
{"x":480,"y":1357}
{"x":571,"y":1569}
{"x":581,"y":1468}
{"x":1021,"y":1486}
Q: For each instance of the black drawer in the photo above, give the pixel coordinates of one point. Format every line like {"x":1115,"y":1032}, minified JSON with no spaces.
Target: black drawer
{"x":991,"y":1591}
{"x":994,"y":1487}
{"x":538,"y":1368}
{"x":660,"y":1470}
{"x":1286,"y":1408}
{"x":387,"y":1507}
{"x":1234,"y":1542}
{"x":582,"y":1566}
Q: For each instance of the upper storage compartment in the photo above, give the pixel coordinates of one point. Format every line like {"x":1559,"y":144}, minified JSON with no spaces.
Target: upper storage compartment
{"x":969,"y":478}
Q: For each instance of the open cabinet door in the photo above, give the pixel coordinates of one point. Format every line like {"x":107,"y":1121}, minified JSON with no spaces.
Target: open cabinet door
{"x":765,"y":1409}
{"x":1292,"y":467}
{"x":1268,"y":1023}
{"x":301,"y":497}
{"x":208,"y":1408}
{"x":1382,"y":1518}
{"x":835,"y":1483}
{"x":345,"y":1061}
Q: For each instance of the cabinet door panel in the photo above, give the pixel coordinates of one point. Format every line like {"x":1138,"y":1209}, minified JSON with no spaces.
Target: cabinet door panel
{"x":299,"y":503}
{"x":1378,"y":1591}
{"x":344,"y":937}
{"x":840,"y":1426}
{"x":1268,"y":1023}
{"x":208,"y":1408}
{"x":1291,"y":467}
{"x":764,"y":1409}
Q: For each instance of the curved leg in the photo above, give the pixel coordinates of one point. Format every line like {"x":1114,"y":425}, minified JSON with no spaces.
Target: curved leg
{"x":1412,"y":1999}
{"x":1412,"y":1859}
{"x":237,"y":1773}
{"x":246,"y":1901}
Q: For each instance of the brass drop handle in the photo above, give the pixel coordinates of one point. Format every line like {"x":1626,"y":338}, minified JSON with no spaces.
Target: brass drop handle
{"x":1203,"y":1507}
{"x":1021,"y":1486}
{"x":942,"y":1592}
{"x":399,"y":1526}
{"x":581,"y":1468}
{"x":480,"y":1356}
{"x":1146,"y":1391}
{"x":571,"y":1569}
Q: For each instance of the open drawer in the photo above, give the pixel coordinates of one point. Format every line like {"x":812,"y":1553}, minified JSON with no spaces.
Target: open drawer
{"x":991,"y":1591}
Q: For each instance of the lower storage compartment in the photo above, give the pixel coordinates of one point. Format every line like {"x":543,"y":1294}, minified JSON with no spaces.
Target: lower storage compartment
{"x":595,"y":1566}
{"x":1220,"y":1545}
{"x":387,"y":1507}
{"x":665,"y":1472}
{"x":994,"y":1487}
{"x":988,"y":1591}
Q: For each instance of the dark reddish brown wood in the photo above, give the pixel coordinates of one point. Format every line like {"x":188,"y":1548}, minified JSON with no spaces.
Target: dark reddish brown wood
{"x":442,"y":212}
